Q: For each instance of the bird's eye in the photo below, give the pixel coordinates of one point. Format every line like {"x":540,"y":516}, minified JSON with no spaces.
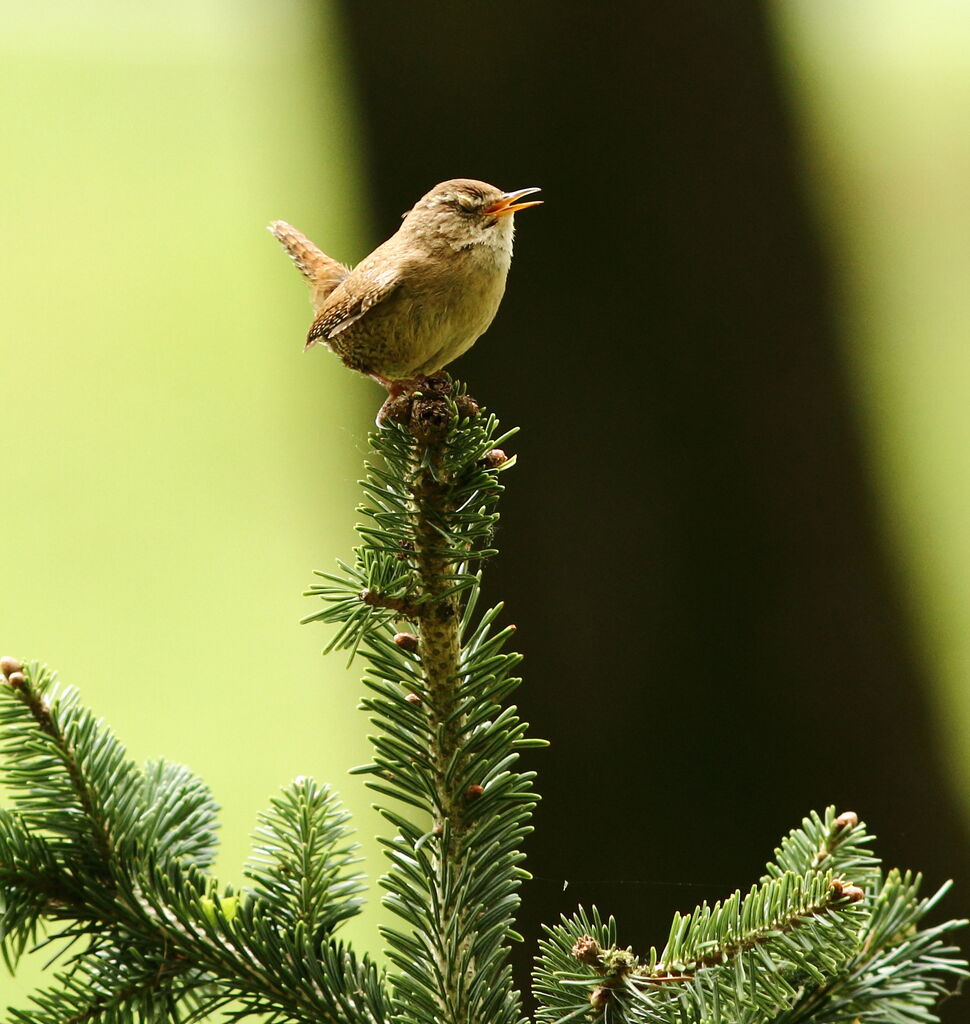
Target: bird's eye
{"x":465,"y":202}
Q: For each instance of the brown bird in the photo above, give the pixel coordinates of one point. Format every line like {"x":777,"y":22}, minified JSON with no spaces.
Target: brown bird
{"x":423,"y":297}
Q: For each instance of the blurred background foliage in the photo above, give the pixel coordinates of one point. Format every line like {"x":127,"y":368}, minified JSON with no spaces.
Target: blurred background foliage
{"x":736,"y":336}
{"x":882,"y":92}
{"x":174,"y":468}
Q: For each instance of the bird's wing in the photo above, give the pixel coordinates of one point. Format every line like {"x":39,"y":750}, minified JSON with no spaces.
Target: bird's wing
{"x":321,"y":271}
{"x":350,"y":301}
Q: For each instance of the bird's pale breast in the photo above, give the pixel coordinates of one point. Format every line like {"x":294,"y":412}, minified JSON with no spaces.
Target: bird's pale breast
{"x":424,"y":324}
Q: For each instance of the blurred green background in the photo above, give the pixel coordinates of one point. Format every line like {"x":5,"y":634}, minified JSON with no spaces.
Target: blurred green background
{"x":883,"y":95}
{"x":736,"y":336}
{"x":174,"y":467}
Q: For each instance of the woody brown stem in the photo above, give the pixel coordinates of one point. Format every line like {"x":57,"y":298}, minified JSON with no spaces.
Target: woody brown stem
{"x":394,"y":604}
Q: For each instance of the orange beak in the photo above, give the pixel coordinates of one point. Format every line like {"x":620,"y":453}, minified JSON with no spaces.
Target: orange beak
{"x":507,"y":204}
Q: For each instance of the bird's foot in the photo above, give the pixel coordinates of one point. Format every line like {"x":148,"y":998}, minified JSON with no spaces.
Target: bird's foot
{"x":400,"y":395}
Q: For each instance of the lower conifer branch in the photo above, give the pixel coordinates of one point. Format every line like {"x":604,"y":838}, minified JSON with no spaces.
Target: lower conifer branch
{"x":133,"y":905}
{"x":836,"y":898}
{"x":39,"y":710}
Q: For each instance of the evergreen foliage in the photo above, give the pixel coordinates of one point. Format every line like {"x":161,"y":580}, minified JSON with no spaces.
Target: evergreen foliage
{"x":110,"y":863}
{"x":801,"y":946}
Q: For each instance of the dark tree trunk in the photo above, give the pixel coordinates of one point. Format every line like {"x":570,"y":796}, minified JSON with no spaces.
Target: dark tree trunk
{"x":715,"y":633}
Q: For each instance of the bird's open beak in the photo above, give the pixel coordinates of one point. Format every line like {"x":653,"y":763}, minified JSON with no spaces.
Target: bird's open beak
{"x":507,"y":204}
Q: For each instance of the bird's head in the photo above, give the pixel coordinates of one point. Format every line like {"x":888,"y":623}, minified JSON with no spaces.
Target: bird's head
{"x":463,"y":212}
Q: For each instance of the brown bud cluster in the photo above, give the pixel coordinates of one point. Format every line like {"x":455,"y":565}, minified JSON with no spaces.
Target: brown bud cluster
{"x":8,"y":666}
{"x":467,"y":407}
{"x":406,"y":641}
{"x":846,"y":891}
{"x":396,"y":410}
{"x":12,"y":671}
{"x":847,"y":819}
{"x":474,"y":792}
{"x":600,"y":996}
{"x":430,"y":419}
{"x":495,"y":458}
{"x":587,"y":951}
{"x":426,"y":411}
